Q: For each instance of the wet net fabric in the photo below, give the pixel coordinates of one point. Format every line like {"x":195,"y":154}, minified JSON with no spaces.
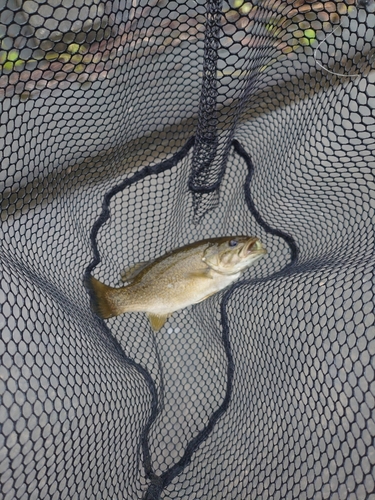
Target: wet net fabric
{"x":127,"y":129}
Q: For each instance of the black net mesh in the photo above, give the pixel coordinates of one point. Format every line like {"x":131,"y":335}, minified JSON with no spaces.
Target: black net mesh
{"x":131,"y":127}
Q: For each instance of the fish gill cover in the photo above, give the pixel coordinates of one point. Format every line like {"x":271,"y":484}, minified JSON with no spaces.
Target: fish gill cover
{"x":130,"y":128}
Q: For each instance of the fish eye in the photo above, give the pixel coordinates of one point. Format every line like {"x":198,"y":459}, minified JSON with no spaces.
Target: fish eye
{"x":233,"y":243}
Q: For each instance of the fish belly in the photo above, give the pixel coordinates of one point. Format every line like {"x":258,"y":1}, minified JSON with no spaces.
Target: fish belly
{"x":176,"y":296}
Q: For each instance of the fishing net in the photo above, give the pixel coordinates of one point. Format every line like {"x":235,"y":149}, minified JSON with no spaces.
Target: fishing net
{"x":127,"y":129}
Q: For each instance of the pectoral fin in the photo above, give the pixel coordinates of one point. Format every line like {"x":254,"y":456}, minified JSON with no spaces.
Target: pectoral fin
{"x":131,"y":272}
{"x":205,"y":272}
{"x":157,"y":321}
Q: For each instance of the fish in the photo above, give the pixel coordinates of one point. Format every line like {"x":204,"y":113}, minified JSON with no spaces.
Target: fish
{"x":182,"y":277}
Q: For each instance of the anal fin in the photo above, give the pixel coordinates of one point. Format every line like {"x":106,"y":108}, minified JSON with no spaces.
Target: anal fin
{"x":157,"y":321}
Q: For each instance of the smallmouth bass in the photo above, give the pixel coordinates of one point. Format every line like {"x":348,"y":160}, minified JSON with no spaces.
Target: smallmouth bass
{"x":178,"y":279}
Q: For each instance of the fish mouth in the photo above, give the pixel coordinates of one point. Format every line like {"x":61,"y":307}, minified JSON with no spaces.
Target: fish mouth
{"x":254,"y":246}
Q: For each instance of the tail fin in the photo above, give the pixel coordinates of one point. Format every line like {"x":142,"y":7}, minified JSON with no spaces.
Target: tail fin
{"x":103,"y":299}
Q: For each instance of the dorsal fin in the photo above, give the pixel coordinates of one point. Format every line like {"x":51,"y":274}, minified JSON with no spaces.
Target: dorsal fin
{"x":128,"y":274}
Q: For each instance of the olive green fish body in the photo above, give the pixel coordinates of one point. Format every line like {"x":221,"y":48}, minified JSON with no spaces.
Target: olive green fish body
{"x":176,"y":280}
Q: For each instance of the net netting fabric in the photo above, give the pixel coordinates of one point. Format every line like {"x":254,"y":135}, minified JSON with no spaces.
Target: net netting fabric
{"x":129,"y":128}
